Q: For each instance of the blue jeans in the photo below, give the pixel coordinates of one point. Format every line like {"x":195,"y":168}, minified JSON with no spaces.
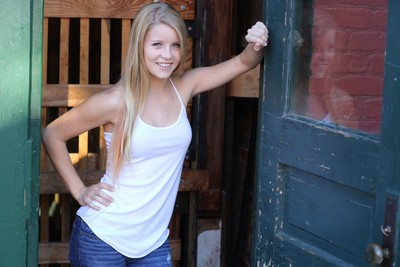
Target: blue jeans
{"x":87,"y":250}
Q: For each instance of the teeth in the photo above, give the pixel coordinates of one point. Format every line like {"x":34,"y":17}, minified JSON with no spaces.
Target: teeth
{"x":164,"y":64}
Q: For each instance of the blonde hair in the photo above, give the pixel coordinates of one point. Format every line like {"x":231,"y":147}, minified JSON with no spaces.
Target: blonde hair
{"x":135,"y":78}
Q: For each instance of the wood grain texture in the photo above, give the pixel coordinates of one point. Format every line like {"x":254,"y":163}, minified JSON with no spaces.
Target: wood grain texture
{"x":69,"y":95}
{"x":108,"y":8}
{"x":246,"y":85}
{"x":64,"y":51}
{"x":50,"y":182}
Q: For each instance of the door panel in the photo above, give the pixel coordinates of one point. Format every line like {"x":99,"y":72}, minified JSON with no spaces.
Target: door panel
{"x":325,"y":164}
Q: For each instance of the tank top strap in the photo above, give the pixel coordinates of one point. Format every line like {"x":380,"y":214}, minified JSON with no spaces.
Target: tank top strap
{"x":176,"y":91}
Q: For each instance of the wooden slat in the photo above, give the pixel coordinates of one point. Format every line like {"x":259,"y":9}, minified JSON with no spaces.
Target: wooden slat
{"x":105,"y":52}
{"x":102,"y":163}
{"x":175,"y":245}
{"x":109,"y":9}
{"x":84,"y":52}
{"x":64,"y":50}
{"x":69,"y":95}
{"x":125,"y":33}
{"x":44,"y":217}
{"x":189,"y":54}
{"x":246,"y":85}
{"x":192,"y":180}
{"x":66,"y":217}
{"x":83,"y":146}
{"x":192,"y":223}
{"x":57,"y":252}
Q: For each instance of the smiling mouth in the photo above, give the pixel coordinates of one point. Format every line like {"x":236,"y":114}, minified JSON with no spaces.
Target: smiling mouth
{"x":164,"y":65}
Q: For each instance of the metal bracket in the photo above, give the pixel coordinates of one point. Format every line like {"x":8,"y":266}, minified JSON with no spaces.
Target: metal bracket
{"x":193,"y":27}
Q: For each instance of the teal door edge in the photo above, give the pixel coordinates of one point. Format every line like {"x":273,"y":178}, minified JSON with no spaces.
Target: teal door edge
{"x":32,"y":195}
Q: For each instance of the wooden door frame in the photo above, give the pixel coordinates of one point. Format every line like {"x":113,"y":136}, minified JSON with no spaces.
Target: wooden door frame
{"x":212,"y":47}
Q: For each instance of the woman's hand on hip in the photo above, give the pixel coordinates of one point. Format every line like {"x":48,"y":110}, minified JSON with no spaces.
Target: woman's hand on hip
{"x":95,"y":194}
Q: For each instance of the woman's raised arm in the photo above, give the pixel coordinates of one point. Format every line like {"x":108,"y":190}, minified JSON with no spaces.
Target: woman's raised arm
{"x":206,"y":78}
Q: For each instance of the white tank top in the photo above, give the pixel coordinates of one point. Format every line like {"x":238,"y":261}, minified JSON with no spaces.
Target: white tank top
{"x":136,"y":223}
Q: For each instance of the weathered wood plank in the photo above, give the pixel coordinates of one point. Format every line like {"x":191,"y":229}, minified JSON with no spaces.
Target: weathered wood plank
{"x":109,"y":9}
{"x":194,"y":180}
{"x":105,"y":52}
{"x":66,"y":217}
{"x":84,"y":52}
{"x":54,"y":252}
{"x":246,"y":85}
{"x":125,"y":29}
{"x":83,"y":147}
{"x":69,"y":95}
{"x":57,"y":252}
{"x":50,"y":182}
{"x":44,"y":218}
{"x":64,"y":51}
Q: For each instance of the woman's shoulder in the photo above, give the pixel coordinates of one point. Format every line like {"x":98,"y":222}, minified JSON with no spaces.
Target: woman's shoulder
{"x":112,"y":97}
{"x":109,"y":103}
{"x":183,"y":86}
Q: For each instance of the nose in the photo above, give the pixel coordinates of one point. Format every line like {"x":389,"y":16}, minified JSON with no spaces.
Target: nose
{"x":166,"y":52}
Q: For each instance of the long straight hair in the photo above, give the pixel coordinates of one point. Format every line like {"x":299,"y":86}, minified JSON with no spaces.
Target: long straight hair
{"x":135,"y":78}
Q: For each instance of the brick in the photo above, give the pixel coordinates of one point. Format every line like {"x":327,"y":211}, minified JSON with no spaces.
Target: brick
{"x":356,"y":18}
{"x":367,"y":41}
{"x":352,"y":63}
{"x":380,"y":20}
{"x":373,"y":108}
{"x":376,"y":64}
{"x":361,"y":85}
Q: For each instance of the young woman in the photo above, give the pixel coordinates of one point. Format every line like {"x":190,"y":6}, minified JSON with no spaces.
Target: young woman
{"x":123,"y":220}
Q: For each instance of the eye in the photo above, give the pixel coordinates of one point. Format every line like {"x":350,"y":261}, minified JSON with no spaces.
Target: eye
{"x":157,"y":44}
{"x":176,"y":45}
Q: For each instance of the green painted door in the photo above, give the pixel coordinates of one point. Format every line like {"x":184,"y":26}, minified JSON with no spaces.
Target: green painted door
{"x":20,"y":105}
{"x":328,"y":167}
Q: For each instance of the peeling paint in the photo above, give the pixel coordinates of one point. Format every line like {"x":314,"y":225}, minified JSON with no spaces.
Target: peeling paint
{"x":324,"y":167}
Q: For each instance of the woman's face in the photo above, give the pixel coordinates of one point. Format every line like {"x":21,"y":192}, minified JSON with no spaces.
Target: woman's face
{"x":162,"y":51}
{"x":324,"y":53}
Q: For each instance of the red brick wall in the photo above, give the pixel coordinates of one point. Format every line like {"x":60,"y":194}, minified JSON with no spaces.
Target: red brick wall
{"x":358,"y":66}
